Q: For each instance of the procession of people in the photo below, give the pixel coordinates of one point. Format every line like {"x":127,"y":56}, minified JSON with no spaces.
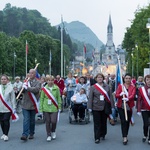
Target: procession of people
{"x":102,"y":99}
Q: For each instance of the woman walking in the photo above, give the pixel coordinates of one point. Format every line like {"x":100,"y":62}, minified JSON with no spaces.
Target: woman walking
{"x":125,"y":92}
{"x":7,"y":106}
{"x":50,"y":105}
{"x":144,"y":107}
{"x":100,"y":104}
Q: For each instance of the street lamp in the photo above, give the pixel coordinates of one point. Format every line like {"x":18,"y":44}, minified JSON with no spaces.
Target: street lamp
{"x":14,"y":63}
{"x":136,"y":45}
{"x":148,"y":26}
{"x":132,"y":64}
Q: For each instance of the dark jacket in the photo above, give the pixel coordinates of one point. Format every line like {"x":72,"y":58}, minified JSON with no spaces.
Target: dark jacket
{"x":94,"y":102}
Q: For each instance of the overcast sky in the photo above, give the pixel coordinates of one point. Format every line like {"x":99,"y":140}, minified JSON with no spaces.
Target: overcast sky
{"x":93,"y":13}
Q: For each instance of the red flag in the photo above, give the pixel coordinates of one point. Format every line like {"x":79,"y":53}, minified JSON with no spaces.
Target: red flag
{"x":84,"y":49}
{"x":26,"y":47}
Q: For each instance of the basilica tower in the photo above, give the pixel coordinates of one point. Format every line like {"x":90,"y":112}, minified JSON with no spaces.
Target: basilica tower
{"x":109,"y":56}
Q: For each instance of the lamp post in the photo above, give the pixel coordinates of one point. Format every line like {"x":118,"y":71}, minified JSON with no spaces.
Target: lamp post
{"x":137,"y":67}
{"x":148,"y":26}
{"x":132,"y":65}
{"x":14,"y":63}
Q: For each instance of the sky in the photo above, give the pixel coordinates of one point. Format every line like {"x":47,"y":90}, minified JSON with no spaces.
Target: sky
{"x":93,"y":13}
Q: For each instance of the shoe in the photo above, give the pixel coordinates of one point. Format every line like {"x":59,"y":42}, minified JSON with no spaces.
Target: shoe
{"x":97,"y":141}
{"x":24,"y":138}
{"x":6,"y":138}
{"x":31,"y":137}
{"x":49,"y":139}
{"x":144,"y":139}
{"x":112,"y":122}
{"x":103,"y":137}
{"x":2,"y":137}
{"x":80,"y":120}
{"x":53,"y":134}
{"x":76,"y":120}
{"x":125,"y":141}
{"x":149,"y":141}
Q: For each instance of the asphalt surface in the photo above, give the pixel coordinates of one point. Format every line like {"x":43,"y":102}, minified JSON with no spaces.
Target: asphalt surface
{"x":75,"y":137}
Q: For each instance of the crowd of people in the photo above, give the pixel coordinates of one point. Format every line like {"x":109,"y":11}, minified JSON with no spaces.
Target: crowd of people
{"x":100,"y":95}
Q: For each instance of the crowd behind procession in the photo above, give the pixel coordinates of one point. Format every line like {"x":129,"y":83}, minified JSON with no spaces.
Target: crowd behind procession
{"x":101,"y":96}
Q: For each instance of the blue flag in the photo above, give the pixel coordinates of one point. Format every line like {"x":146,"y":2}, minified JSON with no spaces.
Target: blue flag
{"x":37,"y":75}
{"x":118,"y":77}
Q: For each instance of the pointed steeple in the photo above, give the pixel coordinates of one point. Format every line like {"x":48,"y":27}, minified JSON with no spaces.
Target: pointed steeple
{"x":109,"y":27}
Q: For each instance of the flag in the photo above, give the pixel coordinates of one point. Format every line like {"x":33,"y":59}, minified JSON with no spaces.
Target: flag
{"x":50,"y":57}
{"x":37,"y":75}
{"x":118,"y":77}
{"x":26,"y":47}
{"x":93,"y":55}
{"x":84,"y":49}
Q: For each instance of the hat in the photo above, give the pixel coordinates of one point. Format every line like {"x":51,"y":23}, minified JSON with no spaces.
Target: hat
{"x":17,"y":77}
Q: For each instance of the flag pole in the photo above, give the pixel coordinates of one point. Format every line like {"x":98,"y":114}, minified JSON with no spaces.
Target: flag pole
{"x":26,"y":56}
{"x":61,"y":46}
{"x":124,"y":102}
{"x":64,"y":66}
{"x":50,"y":63}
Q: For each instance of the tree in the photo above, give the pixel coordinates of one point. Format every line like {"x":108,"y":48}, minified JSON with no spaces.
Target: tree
{"x":138,"y":34}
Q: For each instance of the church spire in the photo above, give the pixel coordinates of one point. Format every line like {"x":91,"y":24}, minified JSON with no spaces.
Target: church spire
{"x":109,"y":27}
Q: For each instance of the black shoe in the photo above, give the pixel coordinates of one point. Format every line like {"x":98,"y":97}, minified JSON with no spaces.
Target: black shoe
{"x":24,"y":138}
{"x":80,"y":120}
{"x":97,"y":141}
{"x":144,"y":139}
{"x":31,"y":137}
{"x":103,"y":137}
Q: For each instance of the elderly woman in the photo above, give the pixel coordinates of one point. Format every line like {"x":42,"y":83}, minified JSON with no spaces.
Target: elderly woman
{"x":78,"y":100}
{"x":7,"y":105}
{"x":125,"y":92}
{"x":144,"y":107}
{"x":100,"y":104}
{"x":50,"y":105}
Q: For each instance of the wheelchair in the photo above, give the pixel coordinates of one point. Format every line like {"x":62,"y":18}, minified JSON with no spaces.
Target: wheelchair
{"x":72,"y":120}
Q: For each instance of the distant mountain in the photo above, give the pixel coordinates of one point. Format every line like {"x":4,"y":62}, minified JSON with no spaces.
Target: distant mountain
{"x":80,"y":32}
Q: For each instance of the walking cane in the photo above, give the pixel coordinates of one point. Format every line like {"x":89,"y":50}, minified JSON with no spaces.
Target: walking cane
{"x":26,"y":81}
{"x":124,"y":102}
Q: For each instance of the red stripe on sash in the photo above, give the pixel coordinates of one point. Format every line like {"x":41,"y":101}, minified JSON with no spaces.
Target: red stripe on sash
{"x":100,"y":89}
{"x":47,"y":94}
{"x":10,"y":109}
{"x":33,"y":101}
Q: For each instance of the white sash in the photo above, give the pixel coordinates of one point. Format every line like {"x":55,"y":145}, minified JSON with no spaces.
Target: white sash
{"x":98,"y":87}
{"x":33,"y":99}
{"x":50,"y":96}
{"x":145,"y":96}
{"x":14,"y":115}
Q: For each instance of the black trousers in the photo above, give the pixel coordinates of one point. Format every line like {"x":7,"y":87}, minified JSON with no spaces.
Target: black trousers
{"x":78,"y":108}
{"x":146,"y":128}
{"x":124,"y":124}
{"x":100,"y":124}
{"x":5,"y":123}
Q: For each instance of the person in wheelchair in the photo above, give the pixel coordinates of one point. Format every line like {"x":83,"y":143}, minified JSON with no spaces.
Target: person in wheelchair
{"x":79,"y":104}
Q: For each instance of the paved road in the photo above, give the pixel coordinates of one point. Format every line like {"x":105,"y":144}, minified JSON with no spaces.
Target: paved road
{"x":75,"y":137}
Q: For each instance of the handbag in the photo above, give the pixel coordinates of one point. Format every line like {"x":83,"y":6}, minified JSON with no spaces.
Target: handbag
{"x":107,"y":108}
